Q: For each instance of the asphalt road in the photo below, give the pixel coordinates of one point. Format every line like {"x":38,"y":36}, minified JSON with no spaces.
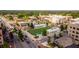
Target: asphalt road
{"x":24,"y":44}
{"x":17,"y":42}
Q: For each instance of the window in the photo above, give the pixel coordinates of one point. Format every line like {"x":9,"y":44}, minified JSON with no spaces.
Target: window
{"x":76,"y":36}
{"x":76,"y":39}
{"x":77,"y":32}
{"x":73,"y":27}
{"x":0,"y":28}
{"x":0,"y":34}
{"x":72,"y":35}
{"x":0,"y":42}
{"x":77,"y":28}
{"x":70,"y":27}
{"x":73,"y":31}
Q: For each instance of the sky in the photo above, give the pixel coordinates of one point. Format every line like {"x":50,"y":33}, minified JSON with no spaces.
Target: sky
{"x":39,"y":4}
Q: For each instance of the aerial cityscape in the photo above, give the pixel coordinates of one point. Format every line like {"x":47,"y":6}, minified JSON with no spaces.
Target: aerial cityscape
{"x":39,"y":29}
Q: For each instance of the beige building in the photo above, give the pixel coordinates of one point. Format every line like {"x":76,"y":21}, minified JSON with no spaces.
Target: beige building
{"x":1,"y":36}
{"x":73,"y":31}
{"x":56,"y":19}
{"x":53,"y":31}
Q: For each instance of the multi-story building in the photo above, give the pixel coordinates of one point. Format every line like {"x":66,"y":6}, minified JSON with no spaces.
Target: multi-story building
{"x":73,"y":31}
{"x":56,"y":19}
{"x":1,"y":36}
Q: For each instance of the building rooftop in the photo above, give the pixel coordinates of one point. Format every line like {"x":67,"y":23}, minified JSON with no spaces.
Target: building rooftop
{"x":76,"y":22}
{"x":53,"y":29}
{"x":44,"y":43}
{"x":64,"y":41}
{"x":76,"y":19}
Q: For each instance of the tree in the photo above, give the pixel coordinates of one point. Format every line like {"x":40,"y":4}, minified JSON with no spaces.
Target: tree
{"x":44,"y":32}
{"x":47,"y":23}
{"x":32,"y":25}
{"x":14,"y":30}
{"x":5,"y":45}
{"x":62,"y":27}
{"x":49,"y":40}
{"x":65,"y":27}
{"x":4,"y":29}
{"x":20,"y":35}
{"x":36,"y":14}
{"x":17,"y":24}
{"x":23,"y":15}
{"x":55,"y":36}
{"x":26,"y":17}
{"x":51,"y":44}
{"x":11,"y":35}
{"x":60,"y":46}
{"x":60,"y":34}
{"x":10,"y":17}
{"x":20,"y":15}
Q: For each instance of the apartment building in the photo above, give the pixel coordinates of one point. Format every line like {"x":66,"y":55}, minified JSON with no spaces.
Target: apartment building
{"x":61,"y":19}
{"x":1,"y":36}
{"x":73,"y":31}
{"x":57,"y":19}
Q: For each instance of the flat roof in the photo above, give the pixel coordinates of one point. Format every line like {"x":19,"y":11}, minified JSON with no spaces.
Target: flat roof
{"x":53,"y":29}
{"x":64,"y":41}
{"x":40,"y":25}
{"x":76,"y":22}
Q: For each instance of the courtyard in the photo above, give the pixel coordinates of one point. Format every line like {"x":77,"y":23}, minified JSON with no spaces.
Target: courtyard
{"x":41,"y":31}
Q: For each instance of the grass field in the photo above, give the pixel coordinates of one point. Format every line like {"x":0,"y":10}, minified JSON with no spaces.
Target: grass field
{"x":37,"y":31}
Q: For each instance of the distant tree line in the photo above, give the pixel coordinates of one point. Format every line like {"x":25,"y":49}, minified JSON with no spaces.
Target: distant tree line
{"x":36,"y":13}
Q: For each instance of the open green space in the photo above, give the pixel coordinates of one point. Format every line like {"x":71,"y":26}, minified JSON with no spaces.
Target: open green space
{"x":38,"y":31}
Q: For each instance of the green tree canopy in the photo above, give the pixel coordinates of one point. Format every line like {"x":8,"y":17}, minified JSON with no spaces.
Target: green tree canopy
{"x":20,"y":35}
{"x":10,"y":17}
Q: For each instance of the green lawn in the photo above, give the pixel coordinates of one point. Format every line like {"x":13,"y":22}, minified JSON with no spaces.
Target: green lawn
{"x":37,"y":31}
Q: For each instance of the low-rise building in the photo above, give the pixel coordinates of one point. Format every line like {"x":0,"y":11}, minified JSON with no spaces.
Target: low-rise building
{"x":39,"y":25}
{"x":53,"y":31}
{"x":23,"y":25}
